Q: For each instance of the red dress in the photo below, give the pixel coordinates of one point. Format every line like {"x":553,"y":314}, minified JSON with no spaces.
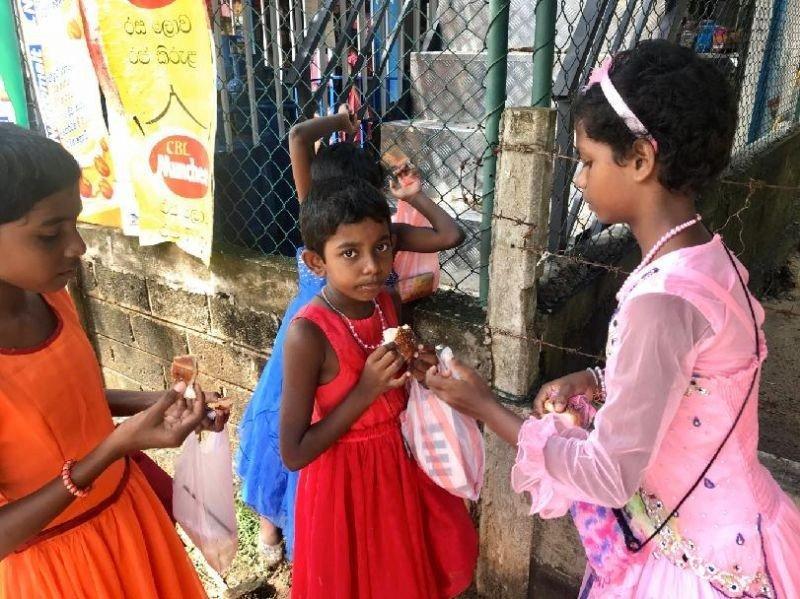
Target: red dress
{"x":369,"y":522}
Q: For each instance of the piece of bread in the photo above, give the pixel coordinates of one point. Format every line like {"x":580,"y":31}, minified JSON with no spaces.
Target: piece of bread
{"x":221,"y":404}
{"x":184,"y":369}
{"x":578,"y":411}
{"x":568,"y":416}
{"x":399,"y":166}
{"x":405,"y":340}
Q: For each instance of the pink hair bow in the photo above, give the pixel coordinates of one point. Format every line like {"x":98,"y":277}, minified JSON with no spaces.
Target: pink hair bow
{"x":599,"y":73}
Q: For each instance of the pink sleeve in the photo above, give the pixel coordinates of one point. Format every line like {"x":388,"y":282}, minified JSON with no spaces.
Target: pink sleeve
{"x":645,"y":381}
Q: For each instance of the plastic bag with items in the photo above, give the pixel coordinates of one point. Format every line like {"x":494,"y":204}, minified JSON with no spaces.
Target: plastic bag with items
{"x":447,"y":445}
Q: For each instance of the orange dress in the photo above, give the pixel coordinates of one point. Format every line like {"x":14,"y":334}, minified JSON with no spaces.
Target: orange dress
{"x":53,"y":408}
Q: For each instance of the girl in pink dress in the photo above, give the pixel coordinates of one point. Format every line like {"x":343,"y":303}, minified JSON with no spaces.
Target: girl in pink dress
{"x":666,"y":490}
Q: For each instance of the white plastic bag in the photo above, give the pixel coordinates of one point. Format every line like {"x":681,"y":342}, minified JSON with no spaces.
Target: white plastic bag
{"x":202,"y":499}
{"x":447,"y":445}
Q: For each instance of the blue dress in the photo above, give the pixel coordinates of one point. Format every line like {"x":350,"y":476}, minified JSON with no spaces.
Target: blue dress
{"x":267,"y":486}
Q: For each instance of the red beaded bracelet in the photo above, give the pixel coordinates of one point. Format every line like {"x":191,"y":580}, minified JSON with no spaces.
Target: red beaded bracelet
{"x":66,"y":477}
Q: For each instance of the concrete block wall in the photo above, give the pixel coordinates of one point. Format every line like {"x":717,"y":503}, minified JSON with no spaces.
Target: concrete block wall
{"x":141,"y":306}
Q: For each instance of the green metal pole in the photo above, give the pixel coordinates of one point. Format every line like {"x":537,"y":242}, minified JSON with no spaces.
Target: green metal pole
{"x":11,"y":63}
{"x":495,"y":101}
{"x":544,"y":44}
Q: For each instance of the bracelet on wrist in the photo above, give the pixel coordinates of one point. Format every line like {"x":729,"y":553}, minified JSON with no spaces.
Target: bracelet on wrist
{"x":69,"y":484}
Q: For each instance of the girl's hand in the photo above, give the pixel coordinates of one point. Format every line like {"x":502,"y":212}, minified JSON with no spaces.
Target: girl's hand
{"x":406,"y":182}
{"x":380,"y":371}
{"x":462,"y":388}
{"x":424,"y":359}
{"x":553,"y":396}
{"x":353,"y":123}
{"x":164,"y":424}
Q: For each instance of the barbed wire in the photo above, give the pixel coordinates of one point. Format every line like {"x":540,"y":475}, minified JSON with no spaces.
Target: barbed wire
{"x":542,"y":343}
{"x":575,"y":258}
{"x":756,"y":184}
{"x":536,"y":149}
{"x":545,"y":252}
{"x":471,"y":197}
{"x":488,"y":331}
{"x":617,"y":270}
{"x":600,"y":358}
{"x":533,"y":149}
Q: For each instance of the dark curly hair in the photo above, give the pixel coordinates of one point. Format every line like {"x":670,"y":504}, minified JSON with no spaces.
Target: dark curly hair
{"x":32,"y":167}
{"x":335,"y":202}
{"x":686,"y":104}
{"x":346,"y":159}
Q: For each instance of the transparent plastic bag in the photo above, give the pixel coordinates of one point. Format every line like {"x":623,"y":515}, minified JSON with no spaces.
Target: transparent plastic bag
{"x":202,"y":499}
{"x":447,"y":445}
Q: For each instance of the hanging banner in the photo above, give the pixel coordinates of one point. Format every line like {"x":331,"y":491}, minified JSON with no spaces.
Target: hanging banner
{"x":13,"y":105}
{"x":68,"y":97}
{"x":155,"y":62}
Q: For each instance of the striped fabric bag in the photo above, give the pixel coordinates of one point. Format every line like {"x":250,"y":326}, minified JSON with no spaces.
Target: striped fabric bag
{"x":447,"y":445}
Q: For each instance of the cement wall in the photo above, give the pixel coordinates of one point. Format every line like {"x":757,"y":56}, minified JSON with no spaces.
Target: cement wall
{"x":142,"y":306}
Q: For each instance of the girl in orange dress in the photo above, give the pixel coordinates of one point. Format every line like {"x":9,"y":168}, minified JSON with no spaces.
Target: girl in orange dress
{"x":77,"y":518}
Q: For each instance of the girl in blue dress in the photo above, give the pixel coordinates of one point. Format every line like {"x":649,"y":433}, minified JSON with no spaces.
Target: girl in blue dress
{"x":267,"y":486}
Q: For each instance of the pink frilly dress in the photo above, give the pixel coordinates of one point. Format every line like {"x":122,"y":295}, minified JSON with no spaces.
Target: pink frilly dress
{"x":680,"y":359}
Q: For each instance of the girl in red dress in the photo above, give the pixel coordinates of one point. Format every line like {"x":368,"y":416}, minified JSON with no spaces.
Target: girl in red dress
{"x":369,"y":523}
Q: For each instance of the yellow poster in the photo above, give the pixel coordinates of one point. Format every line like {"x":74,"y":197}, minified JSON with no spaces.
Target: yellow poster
{"x":68,"y":97}
{"x":155,"y":62}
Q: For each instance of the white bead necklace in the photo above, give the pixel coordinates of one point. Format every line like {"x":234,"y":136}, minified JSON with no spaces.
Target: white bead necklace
{"x":669,"y":235}
{"x":366,"y":346}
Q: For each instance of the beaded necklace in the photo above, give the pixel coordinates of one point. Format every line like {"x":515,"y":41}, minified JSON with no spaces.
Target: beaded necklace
{"x":366,"y":346}
{"x":668,"y":236}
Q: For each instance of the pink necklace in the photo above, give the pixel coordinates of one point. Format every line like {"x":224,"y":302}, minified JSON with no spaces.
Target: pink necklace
{"x":655,"y":249}
{"x":366,"y":346}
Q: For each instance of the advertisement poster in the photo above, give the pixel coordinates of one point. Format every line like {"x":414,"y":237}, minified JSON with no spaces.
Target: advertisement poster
{"x":155,"y":63}
{"x":13,"y":106}
{"x":68,"y":97}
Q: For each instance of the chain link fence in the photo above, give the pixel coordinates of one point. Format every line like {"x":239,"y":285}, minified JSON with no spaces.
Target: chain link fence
{"x":416,"y":71}
{"x":587,"y":32}
{"x":765,"y":59}
{"x":755,"y":43}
